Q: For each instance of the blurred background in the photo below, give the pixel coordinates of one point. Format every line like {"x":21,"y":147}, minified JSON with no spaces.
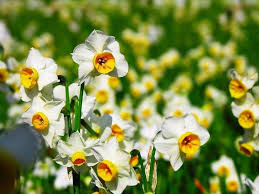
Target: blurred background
{"x":173,"y":47}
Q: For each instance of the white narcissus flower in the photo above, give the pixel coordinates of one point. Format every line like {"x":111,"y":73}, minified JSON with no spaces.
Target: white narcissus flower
{"x":254,"y":186}
{"x":246,"y":110}
{"x":40,"y":72}
{"x":223,"y":167}
{"x":250,"y":142}
{"x":100,"y":54}
{"x":45,"y":117}
{"x":180,"y":138}
{"x":239,"y":85}
{"x":88,"y":102}
{"x":75,"y":153}
{"x":113,"y":167}
{"x":121,"y":129}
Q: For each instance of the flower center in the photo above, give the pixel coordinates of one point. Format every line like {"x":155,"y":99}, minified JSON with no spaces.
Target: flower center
{"x":246,"y":119}
{"x":102,"y":96}
{"x":232,"y":186}
{"x":125,"y":115}
{"x":29,"y":77}
{"x":3,"y":74}
{"x":113,"y":82}
{"x":78,"y":158}
{"x":149,"y":85}
{"x":135,"y":92}
{"x":178,"y":113}
{"x":40,"y":121}
{"x":107,"y":170}
{"x":146,"y":112}
{"x":236,"y":88}
{"x":117,"y":132}
{"x":104,"y":62}
{"x":246,"y":149}
{"x":223,"y":171}
{"x":189,"y":143}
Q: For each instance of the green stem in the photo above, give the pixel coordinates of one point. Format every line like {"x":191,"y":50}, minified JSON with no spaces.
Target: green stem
{"x":88,"y":128}
{"x":76,"y":182}
{"x":68,"y":117}
{"x":78,"y":108}
{"x":142,"y":172}
{"x":151,"y":170}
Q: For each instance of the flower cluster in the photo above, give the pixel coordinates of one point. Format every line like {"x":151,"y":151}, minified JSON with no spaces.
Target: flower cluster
{"x":245,"y":109}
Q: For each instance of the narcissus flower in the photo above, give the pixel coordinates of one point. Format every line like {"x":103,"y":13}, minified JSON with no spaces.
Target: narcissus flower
{"x":39,"y":73}
{"x":45,"y":117}
{"x":113,"y":167}
{"x":239,"y":85}
{"x":223,"y":167}
{"x":75,"y":153}
{"x":88,"y":102}
{"x":99,"y":55}
{"x":246,"y":110}
{"x":180,"y":138}
{"x":121,"y":129}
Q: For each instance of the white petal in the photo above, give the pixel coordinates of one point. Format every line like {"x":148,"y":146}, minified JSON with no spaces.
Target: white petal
{"x":172,"y":127}
{"x":87,"y":105}
{"x":48,"y":136}
{"x":84,"y":70}
{"x":59,"y":93}
{"x":82,"y":54}
{"x":176,"y":159}
{"x":121,"y":66}
{"x":53,"y":109}
{"x":65,"y":149}
{"x":27,"y":95}
{"x":97,"y":40}
{"x":165,"y":146}
{"x":35,"y":59}
{"x":47,"y":75}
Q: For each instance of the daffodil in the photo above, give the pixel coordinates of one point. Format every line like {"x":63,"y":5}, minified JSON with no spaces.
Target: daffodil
{"x":99,"y":55}
{"x":121,"y":129}
{"x":246,"y":110}
{"x":180,"y":138}
{"x":232,"y":183}
{"x":249,"y":142}
{"x":88,"y":102}
{"x":239,"y":85}
{"x":38,"y":74}
{"x":75,"y":152}
{"x":113,"y":167}
{"x":223,"y":167}
{"x":45,"y":117}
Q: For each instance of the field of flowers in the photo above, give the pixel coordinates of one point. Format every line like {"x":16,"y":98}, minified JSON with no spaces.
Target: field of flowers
{"x":129,"y":96}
